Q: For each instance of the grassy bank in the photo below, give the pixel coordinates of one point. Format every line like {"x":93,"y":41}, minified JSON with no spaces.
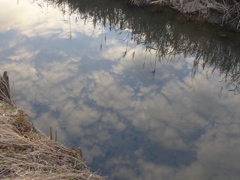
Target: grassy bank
{"x":26,"y":153}
{"x":222,"y":12}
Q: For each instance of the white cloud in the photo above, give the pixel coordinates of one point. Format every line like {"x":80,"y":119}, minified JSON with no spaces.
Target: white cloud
{"x":23,"y":18}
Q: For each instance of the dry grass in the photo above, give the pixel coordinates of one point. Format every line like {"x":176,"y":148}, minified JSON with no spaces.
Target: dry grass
{"x":27,"y":154}
{"x":228,"y":10}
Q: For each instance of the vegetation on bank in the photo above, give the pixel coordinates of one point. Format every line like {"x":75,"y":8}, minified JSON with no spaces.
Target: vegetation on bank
{"x":223,"y":12}
{"x":26,"y":153}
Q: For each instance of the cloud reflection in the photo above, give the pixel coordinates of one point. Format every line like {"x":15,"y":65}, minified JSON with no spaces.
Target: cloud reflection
{"x":44,"y":18}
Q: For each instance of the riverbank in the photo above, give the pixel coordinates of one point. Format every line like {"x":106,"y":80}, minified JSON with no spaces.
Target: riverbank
{"x":26,"y":153}
{"x":222,"y":12}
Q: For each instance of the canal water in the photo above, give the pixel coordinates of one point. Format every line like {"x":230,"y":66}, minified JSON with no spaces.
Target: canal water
{"x":145,"y":93}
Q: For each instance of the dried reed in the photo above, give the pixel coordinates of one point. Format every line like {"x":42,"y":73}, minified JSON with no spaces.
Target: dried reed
{"x":26,"y":153}
{"x":227,"y":10}
{"x":5,"y":92}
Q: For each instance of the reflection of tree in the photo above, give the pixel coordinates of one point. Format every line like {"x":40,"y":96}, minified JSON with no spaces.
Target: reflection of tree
{"x":168,"y":38}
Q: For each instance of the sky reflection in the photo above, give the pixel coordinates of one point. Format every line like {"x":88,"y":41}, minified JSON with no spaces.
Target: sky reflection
{"x":129,"y":124}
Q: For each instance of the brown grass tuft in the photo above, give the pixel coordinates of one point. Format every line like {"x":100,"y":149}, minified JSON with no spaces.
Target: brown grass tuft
{"x":27,"y":154}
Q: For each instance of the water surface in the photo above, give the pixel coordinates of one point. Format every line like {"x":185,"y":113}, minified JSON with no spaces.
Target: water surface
{"x":146,"y":95}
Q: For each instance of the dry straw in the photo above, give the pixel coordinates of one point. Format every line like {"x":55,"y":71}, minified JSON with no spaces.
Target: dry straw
{"x":227,"y":10}
{"x":27,"y":154}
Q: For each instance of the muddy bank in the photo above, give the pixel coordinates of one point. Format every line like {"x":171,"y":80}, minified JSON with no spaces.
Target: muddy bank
{"x":222,"y":12}
{"x":26,"y":153}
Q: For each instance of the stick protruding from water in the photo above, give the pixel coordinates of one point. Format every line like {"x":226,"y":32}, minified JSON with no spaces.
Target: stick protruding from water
{"x":5,"y":94}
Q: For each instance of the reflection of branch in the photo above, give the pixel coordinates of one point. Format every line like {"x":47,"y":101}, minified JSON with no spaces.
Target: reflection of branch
{"x":70,"y":28}
{"x":168,"y":38}
{"x":125,"y":53}
{"x":235,"y":81}
{"x":154,"y":70}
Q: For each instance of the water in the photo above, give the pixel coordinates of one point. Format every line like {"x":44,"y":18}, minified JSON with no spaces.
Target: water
{"x":146,"y":95}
